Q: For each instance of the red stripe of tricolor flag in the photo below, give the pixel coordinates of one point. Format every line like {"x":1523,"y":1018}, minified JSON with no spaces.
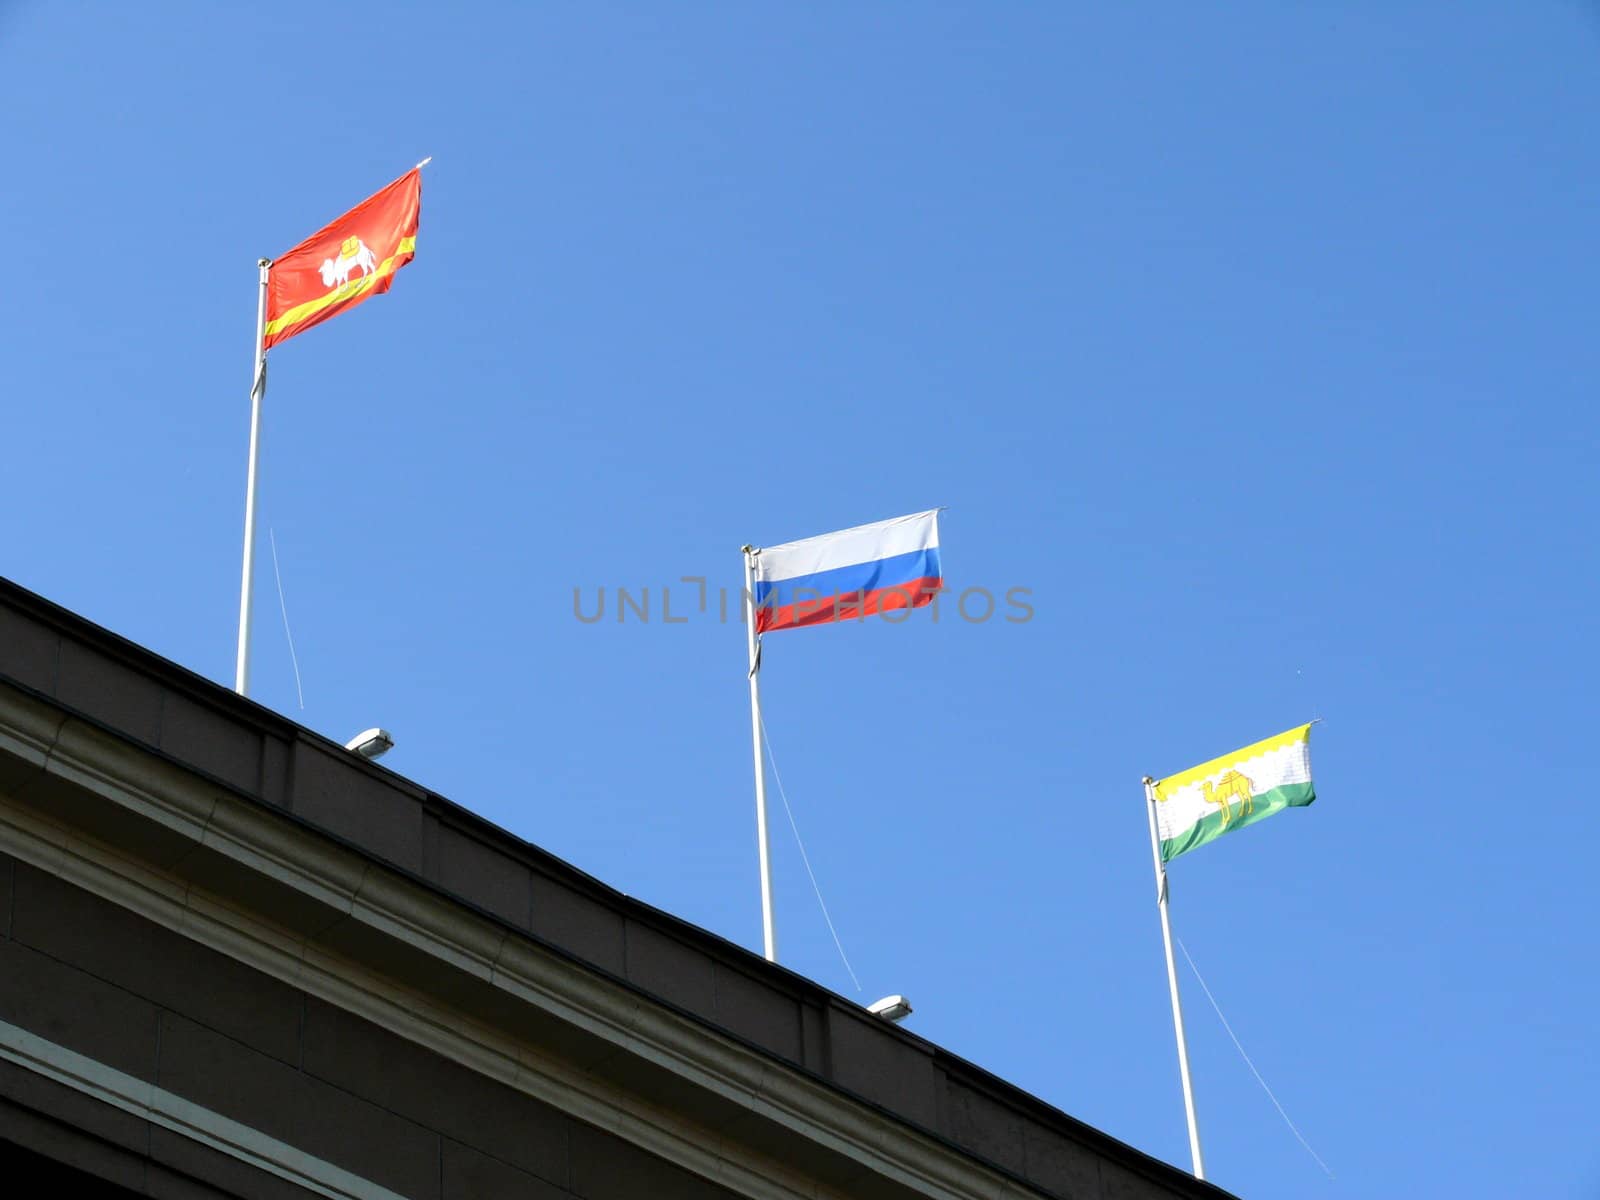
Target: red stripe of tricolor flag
{"x":344,"y":262}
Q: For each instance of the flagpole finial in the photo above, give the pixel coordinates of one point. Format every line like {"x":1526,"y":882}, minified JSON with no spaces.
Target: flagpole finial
{"x":748,"y":549}
{"x":423,"y":163}
{"x":1147,"y":781}
{"x":263,"y":262}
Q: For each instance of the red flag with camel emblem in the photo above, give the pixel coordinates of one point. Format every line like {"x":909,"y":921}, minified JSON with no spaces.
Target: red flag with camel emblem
{"x":345,"y":261}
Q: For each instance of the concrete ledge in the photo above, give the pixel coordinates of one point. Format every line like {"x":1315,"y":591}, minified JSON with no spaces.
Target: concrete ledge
{"x":170,"y":1111}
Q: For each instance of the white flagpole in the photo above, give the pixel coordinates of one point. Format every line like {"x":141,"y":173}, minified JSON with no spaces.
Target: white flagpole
{"x":769,"y":934}
{"x":258,"y":390}
{"x":1172,"y":982}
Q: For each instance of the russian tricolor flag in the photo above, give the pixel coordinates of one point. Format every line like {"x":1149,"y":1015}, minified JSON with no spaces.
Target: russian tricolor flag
{"x":850,"y":574}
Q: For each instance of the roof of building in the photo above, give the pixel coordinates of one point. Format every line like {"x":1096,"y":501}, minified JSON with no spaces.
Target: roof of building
{"x":263,"y":758}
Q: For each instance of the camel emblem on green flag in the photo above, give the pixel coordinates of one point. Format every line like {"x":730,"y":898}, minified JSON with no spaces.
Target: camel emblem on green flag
{"x":1232,"y":785}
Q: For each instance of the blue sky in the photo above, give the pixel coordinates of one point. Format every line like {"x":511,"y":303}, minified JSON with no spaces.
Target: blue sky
{"x":1257,"y":340}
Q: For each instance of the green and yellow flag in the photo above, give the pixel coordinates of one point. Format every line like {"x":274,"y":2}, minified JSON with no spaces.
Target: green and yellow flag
{"x":1238,"y":789}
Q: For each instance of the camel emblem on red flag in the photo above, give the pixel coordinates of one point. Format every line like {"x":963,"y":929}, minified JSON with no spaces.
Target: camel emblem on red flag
{"x":353,"y":253}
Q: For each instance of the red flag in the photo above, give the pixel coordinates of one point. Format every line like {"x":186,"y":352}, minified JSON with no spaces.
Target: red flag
{"x":345,"y":261}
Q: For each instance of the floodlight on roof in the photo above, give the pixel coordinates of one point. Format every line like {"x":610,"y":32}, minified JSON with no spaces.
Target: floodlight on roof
{"x":893,"y":1009}
{"x":371,"y":743}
